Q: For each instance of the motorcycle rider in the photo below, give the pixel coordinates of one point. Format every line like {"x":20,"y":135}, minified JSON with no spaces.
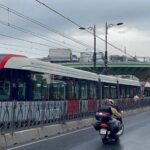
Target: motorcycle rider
{"x":115,"y":113}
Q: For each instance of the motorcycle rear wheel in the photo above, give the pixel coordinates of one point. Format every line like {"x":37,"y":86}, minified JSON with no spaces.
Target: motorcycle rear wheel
{"x":105,"y":141}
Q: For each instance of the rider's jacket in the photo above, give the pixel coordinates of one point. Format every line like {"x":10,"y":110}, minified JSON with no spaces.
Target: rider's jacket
{"x":111,"y":110}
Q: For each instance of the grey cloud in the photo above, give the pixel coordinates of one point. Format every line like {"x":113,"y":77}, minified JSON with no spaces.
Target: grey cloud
{"x":84,"y":12}
{"x":134,"y":13}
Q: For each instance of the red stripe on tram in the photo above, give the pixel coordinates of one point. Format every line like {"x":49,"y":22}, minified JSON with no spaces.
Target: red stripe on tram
{"x":6,"y":58}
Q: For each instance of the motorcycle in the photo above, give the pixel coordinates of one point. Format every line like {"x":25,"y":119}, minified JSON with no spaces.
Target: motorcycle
{"x":109,"y":129}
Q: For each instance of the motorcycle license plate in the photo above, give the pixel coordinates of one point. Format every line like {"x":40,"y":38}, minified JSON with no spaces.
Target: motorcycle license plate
{"x":103,"y":131}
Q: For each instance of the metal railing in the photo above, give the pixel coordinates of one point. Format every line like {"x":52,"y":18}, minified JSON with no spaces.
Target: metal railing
{"x":19,"y":115}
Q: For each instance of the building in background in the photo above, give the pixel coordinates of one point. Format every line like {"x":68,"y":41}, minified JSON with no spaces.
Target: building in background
{"x":118,"y":58}
{"x":60,"y":55}
{"x":123,"y":58}
{"x":86,"y":57}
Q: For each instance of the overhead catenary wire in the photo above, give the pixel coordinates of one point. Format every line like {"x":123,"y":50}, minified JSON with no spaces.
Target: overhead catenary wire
{"x":24,"y":40}
{"x":28,"y":47}
{"x":59,"y":13}
{"x":20,"y":51}
{"x":44,"y":26}
{"x":24,"y":47}
{"x":36,"y":34}
{"x":73,"y":22}
{"x":25,"y":31}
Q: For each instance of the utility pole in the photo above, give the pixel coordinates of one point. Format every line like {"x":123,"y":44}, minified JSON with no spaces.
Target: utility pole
{"x":94,"y":34}
{"x":94,"y":54}
{"x":106,"y":55}
{"x":107,"y":26}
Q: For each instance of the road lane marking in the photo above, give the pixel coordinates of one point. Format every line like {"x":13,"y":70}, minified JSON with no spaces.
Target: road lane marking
{"x":51,"y":138}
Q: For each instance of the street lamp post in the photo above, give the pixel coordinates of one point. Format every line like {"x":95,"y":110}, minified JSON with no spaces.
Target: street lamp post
{"x":94,"y":55}
{"x":107,"y":26}
{"x":106,"y":59}
{"x":94,"y":34}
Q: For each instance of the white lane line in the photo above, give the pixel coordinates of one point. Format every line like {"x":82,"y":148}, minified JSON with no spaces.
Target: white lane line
{"x":24,"y":145}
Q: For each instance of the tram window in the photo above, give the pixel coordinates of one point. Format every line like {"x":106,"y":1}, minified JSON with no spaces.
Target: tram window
{"x":62,"y":91}
{"x":122,"y":91}
{"x":21,"y":90}
{"x":76,"y":90}
{"x":92,"y":91}
{"x":148,"y":92}
{"x":106,"y":92}
{"x":4,"y":90}
{"x":95,"y":91}
{"x":37,"y":91}
{"x":145,"y":92}
{"x":57,"y":90}
{"x":113,"y":92}
{"x":45,"y":91}
{"x":127,"y":92}
{"x":83,"y":90}
{"x":7,"y":87}
{"x":131,"y":92}
{"x":135,"y":91}
{"x":70,"y":90}
{"x":40,"y":86}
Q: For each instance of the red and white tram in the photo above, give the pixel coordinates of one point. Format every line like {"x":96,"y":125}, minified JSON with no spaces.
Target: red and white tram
{"x":31,"y":89}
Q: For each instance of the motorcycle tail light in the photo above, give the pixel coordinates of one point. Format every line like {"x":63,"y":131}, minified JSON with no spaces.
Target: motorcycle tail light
{"x":104,"y":125}
{"x":104,"y":114}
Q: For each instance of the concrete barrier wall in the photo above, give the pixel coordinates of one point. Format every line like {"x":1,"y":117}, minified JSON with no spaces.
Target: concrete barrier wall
{"x":19,"y":137}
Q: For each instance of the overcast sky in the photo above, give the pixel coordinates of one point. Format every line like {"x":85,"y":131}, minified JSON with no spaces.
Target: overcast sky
{"x":134,"y":34}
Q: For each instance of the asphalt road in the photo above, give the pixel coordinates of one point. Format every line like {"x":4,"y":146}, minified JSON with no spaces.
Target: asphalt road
{"x":135,"y":137}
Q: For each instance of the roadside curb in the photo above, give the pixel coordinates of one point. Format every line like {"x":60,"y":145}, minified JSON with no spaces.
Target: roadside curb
{"x":8,"y":139}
